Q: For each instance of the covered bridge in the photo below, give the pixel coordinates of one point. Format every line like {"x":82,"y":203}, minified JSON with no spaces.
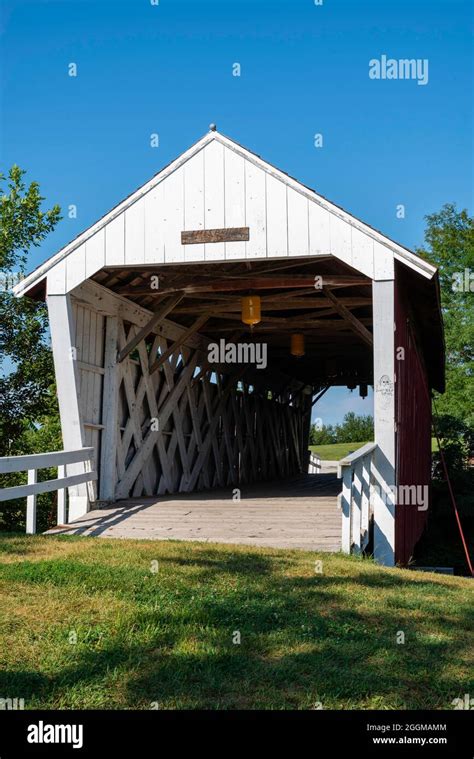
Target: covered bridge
{"x":166,"y":368}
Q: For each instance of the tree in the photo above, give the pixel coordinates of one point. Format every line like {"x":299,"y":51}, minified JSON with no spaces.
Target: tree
{"x":449,"y":245}
{"x":355,"y":429}
{"x":29,"y":420}
{"x":26,"y":368}
{"x":321,"y":434}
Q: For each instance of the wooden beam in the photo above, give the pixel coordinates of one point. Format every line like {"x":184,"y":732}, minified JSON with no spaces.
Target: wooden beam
{"x":269,"y":282}
{"x":164,"y":412}
{"x":109,"y":303}
{"x":232,"y":304}
{"x":282,"y":325}
{"x":319,"y":395}
{"x":110,"y":411}
{"x":154,"y":365}
{"x":354,"y":323}
{"x":207,"y":364}
{"x":203,"y":453}
{"x":157,"y":317}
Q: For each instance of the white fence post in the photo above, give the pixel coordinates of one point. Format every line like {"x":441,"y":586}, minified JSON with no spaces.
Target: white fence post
{"x":346,"y":497}
{"x":356,"y":471}
{"x":31,"y":505}
{"x":357,"y":506}
{"x":314,"y":463}
{"x":365,"y":510}
{"x":31,"y":463}
{"x":61,"y":518}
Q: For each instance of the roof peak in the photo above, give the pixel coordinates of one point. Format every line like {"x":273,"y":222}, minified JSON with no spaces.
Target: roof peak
{"x":213,"y":135}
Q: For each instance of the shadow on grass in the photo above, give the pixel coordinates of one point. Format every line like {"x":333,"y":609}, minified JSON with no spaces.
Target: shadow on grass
{"x":299,"y":643}
{"x":339,"y":663}
{"x":302,"y":640}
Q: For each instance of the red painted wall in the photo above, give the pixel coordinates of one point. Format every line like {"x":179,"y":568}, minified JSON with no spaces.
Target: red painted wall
{"x":413,"y":431}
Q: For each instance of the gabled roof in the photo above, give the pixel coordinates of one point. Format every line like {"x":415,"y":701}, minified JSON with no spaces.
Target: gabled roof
{"x":347,"y":237}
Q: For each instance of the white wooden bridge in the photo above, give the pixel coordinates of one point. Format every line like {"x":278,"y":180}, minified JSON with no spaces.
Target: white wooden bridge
{"x":152,"y":427}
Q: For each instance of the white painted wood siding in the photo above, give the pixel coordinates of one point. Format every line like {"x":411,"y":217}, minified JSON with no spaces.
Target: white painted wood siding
{"x":89,"y":344}
{"x":219,"y":187}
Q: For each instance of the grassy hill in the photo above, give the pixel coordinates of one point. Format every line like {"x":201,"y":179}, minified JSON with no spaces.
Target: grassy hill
{"x":336,"y":451}
{"x":89,"y":623}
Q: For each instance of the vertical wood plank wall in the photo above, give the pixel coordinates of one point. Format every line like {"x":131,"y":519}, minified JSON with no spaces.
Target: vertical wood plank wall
{"x":89,"y":345}
{"x":413,"y":436}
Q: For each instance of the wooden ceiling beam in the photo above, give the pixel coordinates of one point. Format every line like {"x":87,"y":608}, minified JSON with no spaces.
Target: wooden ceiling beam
{"x":355,"y":324}
{"x":277,"y":329}
{"x":269,"y":282}
{"x":309,"y":320}
{"x":275,"y":304}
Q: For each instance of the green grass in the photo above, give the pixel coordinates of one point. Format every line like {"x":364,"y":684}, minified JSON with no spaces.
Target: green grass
{"x":336,"y":451}
{"x":167,"y":637}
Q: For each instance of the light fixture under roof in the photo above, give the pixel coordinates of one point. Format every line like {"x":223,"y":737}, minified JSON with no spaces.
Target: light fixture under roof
{"x":251,"y":309}
{"x":297,"y":344}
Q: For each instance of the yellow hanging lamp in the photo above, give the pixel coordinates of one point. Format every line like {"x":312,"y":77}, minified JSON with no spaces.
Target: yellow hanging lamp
{"x":297,"y":344}
{"x":251,"y":309}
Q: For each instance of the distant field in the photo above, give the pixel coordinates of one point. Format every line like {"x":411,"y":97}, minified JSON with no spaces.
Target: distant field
{"x":337,"y":451}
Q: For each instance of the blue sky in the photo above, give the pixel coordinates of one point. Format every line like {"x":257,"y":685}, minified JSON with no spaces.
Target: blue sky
{"x":167,"y":69}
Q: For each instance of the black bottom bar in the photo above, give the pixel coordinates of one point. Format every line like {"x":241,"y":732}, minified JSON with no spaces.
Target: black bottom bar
{"x":165,"y":733}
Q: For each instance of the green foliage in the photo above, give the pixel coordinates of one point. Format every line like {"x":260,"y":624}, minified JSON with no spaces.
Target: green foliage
{"x":29,"y":421}
{"x":321,"y":435}
{"x":22,"y":222}
{"x":355,"y":428}
{"x":26,"y":366}
{"x":449,"y":245}
{"x":352,"y":429}
{"x":457,"y":442}
{"x":40,"y":438}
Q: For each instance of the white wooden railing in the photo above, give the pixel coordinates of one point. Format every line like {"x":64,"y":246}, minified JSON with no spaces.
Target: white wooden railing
{"x":314,"y":464}
{"x":356,"y":471}
{"x":31,"y":464}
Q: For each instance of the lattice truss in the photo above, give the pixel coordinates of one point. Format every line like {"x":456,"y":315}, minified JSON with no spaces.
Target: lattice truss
{"x":185,"y":427}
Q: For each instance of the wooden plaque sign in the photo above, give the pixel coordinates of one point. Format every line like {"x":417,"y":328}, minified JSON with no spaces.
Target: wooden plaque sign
{"x":231,"y":234}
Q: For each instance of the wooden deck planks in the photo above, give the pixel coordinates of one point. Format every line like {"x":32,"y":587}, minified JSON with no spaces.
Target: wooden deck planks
{"x":299,"y":513}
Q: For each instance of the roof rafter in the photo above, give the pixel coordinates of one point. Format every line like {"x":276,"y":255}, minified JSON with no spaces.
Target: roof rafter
{"x":355,"y":324}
